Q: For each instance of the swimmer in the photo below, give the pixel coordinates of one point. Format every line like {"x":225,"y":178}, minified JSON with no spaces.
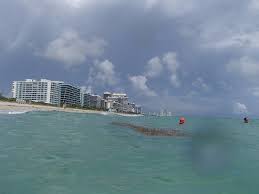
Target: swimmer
{"x":246,"y":120}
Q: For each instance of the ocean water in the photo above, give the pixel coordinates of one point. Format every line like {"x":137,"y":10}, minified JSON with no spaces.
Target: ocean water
{"x":64,"y":153}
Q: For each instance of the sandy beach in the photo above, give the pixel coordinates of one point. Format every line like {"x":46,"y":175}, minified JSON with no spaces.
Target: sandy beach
{"x":12,"y":107}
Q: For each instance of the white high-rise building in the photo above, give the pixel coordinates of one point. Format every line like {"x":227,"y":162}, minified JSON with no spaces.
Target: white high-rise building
{"x":119,"y":101}
{"x":43,"y":90}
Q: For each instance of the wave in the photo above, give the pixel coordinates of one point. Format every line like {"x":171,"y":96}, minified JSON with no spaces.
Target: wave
{"x":105,"y":113}
{"x":13,"y":112}
{"x":17,"y":113}
{"x":119,"y":114}
{"x":129,"y":115}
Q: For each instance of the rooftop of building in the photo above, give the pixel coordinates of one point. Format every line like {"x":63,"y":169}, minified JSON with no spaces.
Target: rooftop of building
{"x":119,"y":94}
{"x":41,"y":80}
{"x":95,"y":95}
{"x":70,"y":85}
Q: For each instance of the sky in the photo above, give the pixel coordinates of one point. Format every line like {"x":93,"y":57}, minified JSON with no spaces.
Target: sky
{"x":188,"y":56}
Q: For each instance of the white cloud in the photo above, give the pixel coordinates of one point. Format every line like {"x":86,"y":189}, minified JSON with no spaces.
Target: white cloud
{"x":238,"y":40}
{"x":255,"y":91}
{"x":170,"y":59}
{"x":254,"y":5}
{"x":175,"y":81}
{"x":218,"y":33}
{"x":87,"y":3}
{"x":103,"y":73}
{"x":200,"y":84}
{"x":139,"y":83}
{"x":154,"y":67}
{"x":76,"y":3}
{"x":87,"y":89}
{"x":239,"y":108}
{"x":60,"y":4}
{"x":245,"y":66}
{"x":172,"y":64}
{"x":71,"y":50}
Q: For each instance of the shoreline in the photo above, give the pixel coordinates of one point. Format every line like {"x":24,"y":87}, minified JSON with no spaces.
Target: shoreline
{"x":12,"y":107}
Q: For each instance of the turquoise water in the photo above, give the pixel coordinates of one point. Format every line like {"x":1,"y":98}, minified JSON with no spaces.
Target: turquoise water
{"x":63,"y":153}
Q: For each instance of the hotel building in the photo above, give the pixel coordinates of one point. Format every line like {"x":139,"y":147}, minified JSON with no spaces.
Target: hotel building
{"x":70,"y":95}
{"x":95,"y":101}
{"x":92,"y":101}
{"x":43,"y":90}
{"x":58,"y":93}
{"x":85,"y":100}
{"x":119,"y":102}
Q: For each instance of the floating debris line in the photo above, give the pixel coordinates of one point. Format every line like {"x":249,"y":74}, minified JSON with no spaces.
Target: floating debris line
{"x":153,"y":131}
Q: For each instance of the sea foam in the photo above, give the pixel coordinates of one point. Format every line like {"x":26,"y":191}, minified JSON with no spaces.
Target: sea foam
{"x":12,"y":112}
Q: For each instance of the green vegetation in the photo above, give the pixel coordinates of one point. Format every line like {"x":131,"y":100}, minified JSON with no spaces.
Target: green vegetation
{"x":2,"y":98}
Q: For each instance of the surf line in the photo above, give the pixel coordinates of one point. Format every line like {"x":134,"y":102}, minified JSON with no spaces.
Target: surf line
{"x":153,"y":131}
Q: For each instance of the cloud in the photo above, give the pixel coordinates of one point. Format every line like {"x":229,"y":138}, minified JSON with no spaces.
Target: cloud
{"x":254,"y":5}
{"x":76,"y":3}
{"x":220,"y":32}
{"x":154,"y":67}
{"x":103,"y":73}
{"x":200,"y":84}
{"x":255,"y":91}
{"x":245,"y":66}
{"x":151,"y":4}
{"x":71,"y":50}
{"x":139,"y":83}
{"x":87,"y":89}
{"x":226,"y":87}
{"x":87,"y":3}
{"x":60,"y":4}
{"x":172,"y":8}
{"x":170,"y":59}
{"x":239,"y":40}
{"x":175,"y":81}
{"x":182,"y":104}
{"x":35,"y":23}
{"x":172,"y":64}
{"x":239,"y":108}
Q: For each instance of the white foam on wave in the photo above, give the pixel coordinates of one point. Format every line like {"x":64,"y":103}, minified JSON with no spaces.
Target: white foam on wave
{"x":104,"y":113}
{"x":17,"y":113}
{"x":13,"y":112}
{"x":118,"y":114}
{"x":129,"y":115}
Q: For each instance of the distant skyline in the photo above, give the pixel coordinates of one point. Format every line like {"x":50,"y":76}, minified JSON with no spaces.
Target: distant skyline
{"x":186,"y":56}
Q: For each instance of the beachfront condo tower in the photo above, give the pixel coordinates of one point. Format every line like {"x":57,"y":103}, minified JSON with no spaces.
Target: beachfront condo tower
{"x":43,"y":90}
{"x":92,"y":101}
{"x":70,"y":95}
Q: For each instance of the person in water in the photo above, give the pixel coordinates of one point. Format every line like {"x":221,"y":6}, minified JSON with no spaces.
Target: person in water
{"x":245,"y":120}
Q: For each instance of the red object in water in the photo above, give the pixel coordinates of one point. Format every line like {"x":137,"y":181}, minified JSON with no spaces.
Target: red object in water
{"x":182,"y":120}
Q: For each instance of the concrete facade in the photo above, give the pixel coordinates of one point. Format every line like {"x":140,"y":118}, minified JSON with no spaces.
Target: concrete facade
{"x":43,"y":90}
